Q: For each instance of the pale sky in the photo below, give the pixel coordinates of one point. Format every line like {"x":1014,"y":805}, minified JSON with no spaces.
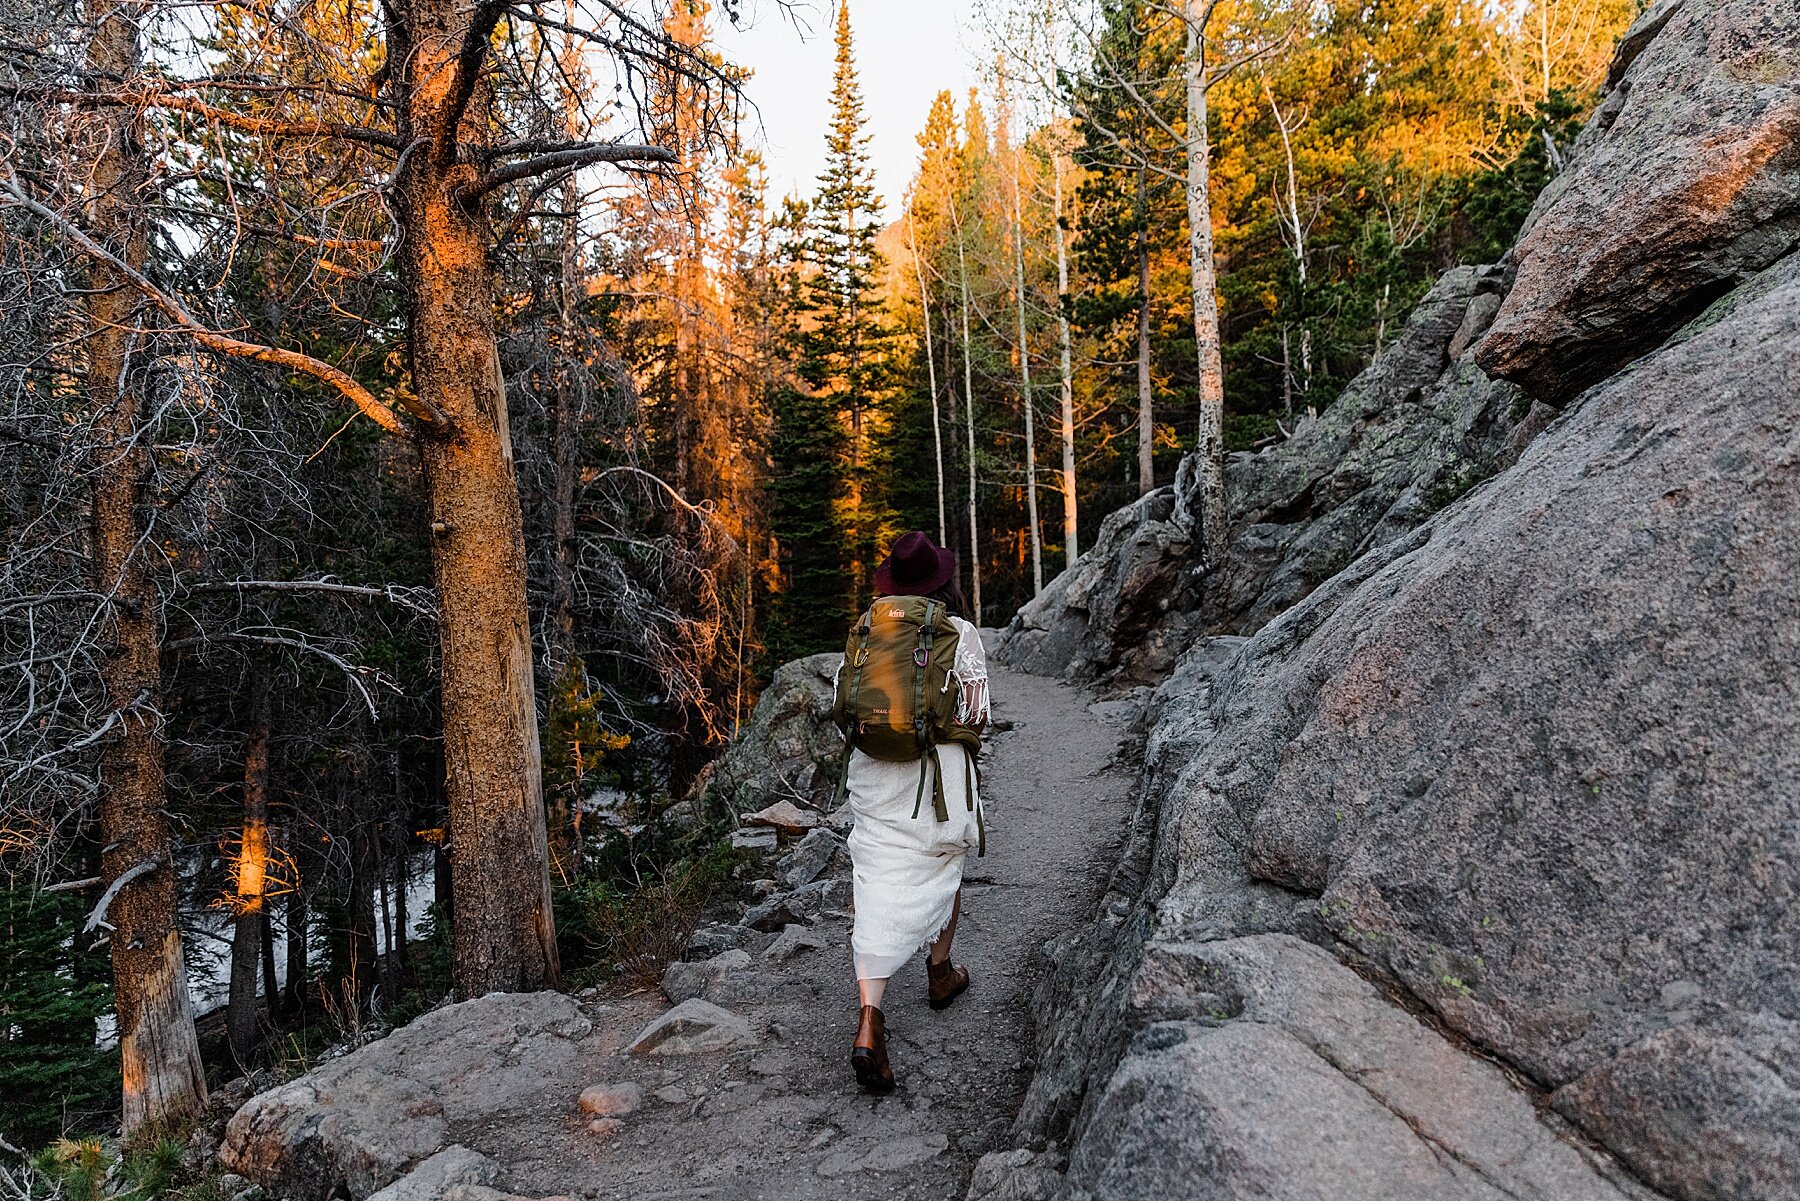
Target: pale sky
{"x":906,"y":51}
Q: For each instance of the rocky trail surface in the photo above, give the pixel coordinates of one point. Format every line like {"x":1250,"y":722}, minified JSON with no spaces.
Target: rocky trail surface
{"x":742,"y":1089}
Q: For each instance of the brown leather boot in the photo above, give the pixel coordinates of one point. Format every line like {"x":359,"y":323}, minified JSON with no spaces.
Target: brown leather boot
{"x":869,"y":1057}
{"x":944,"y":982}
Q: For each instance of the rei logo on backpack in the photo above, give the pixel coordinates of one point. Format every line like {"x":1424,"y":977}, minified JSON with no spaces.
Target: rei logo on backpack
{"x":895,"y":700}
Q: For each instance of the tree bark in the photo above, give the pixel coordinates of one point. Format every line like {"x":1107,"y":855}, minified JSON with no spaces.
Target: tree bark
{"x":565,"y":467}
{"x":937,"y":429}
{"x":1209,"y":444}
{"x":1146,"y":449}
{"x":1071,"y":534}
{"x":293,"y":918}
{"x":164,"y":1082}
{"x":1031,"y":498}
{"x":503,"y":936}
{"x":402,"y":910}
{"x":271,"y":985}
{"x":969,"y":414}
{"x":361,"y":961}
{"x":387,"y":963}
{"x":252,"y":870}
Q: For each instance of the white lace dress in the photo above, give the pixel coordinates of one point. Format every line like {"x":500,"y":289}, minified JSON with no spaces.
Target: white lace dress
{"x":908,"y":869}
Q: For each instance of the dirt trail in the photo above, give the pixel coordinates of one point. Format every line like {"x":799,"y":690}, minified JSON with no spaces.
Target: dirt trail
{"x":783,"y":1121}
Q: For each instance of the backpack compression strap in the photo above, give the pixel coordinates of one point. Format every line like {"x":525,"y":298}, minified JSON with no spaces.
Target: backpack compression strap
{"x":862,"y":656}
{"x":928,"y":752}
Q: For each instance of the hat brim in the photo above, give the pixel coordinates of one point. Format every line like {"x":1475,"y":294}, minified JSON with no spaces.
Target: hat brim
{"x":887,"y":585}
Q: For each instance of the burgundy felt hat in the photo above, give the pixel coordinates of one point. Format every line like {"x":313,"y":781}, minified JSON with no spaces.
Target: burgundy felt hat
{"x":914,"y":566}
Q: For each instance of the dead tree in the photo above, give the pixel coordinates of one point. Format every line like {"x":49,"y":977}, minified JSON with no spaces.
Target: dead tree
{"x":439,"y":151}
{"x":250,"y":871}
{"x":164,"y":1082}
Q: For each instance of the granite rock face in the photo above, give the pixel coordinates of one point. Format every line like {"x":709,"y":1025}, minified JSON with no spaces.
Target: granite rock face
{"x":1516,"y":738}
{"x":1685,"y":183}
{"x":789,"y":749}
{"x":1536,"y":764}
{"x":1371,"y":1102}
{"x":1113,"y":609}
{"x":434,"y":1177}
{"x":1417,"y":429}
{"x":361,"y":1121}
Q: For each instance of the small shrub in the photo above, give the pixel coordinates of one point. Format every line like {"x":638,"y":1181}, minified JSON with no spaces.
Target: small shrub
{"x":92,"y":1169}
{"x":631,"y":919}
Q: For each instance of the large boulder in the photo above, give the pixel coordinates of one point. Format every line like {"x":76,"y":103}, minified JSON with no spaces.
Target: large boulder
{"x":789,"y":749}
{"x":1418,"y":428}
{"x":1120,"y":606}
{"x":1268,"y":1069}
{"x":1536,"y":767}
{"x":361,"y":1121}
{"x":1685,"y":183}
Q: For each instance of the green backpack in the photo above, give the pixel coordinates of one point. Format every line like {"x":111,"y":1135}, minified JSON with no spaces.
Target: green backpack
{"x":895,"y":700}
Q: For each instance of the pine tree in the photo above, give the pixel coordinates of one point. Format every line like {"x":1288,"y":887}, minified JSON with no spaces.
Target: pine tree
{"x":806,"y":474}
{"x":844,"y":344}
{"x":52,"y":1076}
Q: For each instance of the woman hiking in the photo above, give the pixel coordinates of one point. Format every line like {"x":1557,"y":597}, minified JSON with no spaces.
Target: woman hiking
{"x":913,"y":698}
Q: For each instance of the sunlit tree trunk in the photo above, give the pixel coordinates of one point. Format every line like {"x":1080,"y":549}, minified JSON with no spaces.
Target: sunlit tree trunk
{"x":503,"y":935}
{"x":962,"y":264}
{"x":1031,"y":498}
{"x":252,"y":872}
{"x":937,"y":429}
{"x":1071,"y":537}
{"x":164,"y":1083}
{"x":1209,"y":445}
{"x":1146,"y":449}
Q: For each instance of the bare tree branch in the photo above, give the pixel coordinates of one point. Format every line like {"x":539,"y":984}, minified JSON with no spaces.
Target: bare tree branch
{"x":403,"y":597}
{"x":97,"y":918}
{"x":73,"y":885}
{"x":573,"y":156}
{"x":148,"y":98}
{"x":293,"y":360}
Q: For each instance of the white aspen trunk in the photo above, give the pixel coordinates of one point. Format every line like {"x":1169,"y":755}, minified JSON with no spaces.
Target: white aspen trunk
{"x":1209,"y":445}
{"x":1146,"y":449}
{"x":1031,"y":501}
{"x":962,"y":265}
{"x":937,"y":429}
{"x":1543,"y":10}
{"x":1071,"y":539}
{"x":1295,"y":235}
{"x":1287,"y":373}
{"x":1295,"y":228}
